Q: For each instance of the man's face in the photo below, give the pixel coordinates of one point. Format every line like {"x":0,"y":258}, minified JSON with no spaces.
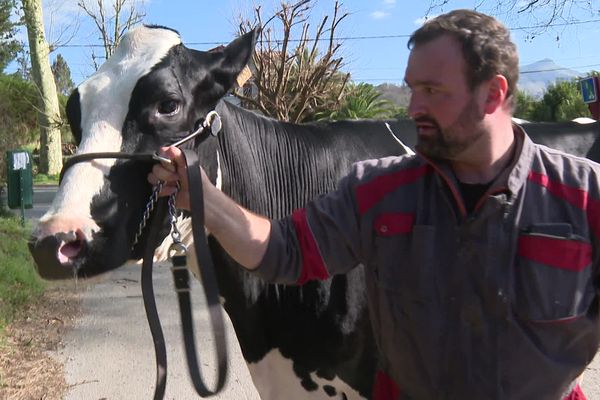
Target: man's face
{"x":447,"y":113}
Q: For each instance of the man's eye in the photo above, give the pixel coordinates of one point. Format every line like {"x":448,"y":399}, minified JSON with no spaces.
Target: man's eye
{"x":430,"y":90}
{"x":168,"y":107}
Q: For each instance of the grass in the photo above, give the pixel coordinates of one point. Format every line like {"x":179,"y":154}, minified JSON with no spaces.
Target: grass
{"x":43,"y":179}
{"x":19,"y":282}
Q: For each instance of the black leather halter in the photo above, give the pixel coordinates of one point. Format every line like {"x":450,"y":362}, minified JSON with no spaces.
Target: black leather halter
{"x":181,"y":276}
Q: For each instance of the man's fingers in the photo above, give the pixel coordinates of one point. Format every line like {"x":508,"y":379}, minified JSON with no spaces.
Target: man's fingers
{"x":162,"y":173}
{"x":176,"y":156}
{"x":167,"y":191}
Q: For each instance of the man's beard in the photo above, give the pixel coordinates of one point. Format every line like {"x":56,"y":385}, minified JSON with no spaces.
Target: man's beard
{"x":448,"y":143}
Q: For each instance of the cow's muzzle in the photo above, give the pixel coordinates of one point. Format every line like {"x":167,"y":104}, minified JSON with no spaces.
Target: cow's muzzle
{"x":57,"y":256}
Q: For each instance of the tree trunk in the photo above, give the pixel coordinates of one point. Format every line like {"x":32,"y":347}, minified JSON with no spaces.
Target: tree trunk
{"x":49,"y":112}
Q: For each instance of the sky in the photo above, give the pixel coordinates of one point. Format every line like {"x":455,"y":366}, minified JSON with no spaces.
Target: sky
{"x":373,"y":35}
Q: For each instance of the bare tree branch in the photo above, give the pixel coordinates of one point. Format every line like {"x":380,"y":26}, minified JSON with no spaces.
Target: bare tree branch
{"x":112,"y":26}
{"x":295,"y":76}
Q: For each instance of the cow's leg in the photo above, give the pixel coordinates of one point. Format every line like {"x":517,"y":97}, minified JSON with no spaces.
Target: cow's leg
{"x":275,"y":379}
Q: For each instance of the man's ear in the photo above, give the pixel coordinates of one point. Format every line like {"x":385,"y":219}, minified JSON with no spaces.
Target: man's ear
{"x":497,"y":91}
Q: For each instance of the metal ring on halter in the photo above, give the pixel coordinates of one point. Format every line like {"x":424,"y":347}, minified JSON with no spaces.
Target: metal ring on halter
{"x":213,"y":120}
{"x":177,"y":249}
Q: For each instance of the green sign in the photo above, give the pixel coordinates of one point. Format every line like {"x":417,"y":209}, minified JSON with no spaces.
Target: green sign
{"x":588,"y":90}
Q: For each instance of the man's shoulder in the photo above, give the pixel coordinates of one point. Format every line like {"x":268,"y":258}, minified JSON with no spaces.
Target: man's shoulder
{"x":367,"y":170}
{"x":550,"y":156}
{"x":571,"y":170}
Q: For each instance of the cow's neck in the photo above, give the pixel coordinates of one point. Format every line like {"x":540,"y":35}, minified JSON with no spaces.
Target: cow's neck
{"x":265,"y":162}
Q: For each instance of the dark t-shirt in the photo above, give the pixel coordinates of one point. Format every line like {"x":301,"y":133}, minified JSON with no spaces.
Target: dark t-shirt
{"x":471,"y":193}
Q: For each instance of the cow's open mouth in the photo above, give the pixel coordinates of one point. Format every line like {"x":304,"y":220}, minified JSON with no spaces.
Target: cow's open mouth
{"x":58,"y":256}
{"x":70,"y":248}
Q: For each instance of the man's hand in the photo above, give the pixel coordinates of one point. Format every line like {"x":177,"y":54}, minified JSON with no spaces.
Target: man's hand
{"x":243,"y":234}
{"x":170,"y":174}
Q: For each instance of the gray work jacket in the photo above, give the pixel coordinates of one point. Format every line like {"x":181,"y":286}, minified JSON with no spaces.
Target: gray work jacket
{"x":498,"y":304}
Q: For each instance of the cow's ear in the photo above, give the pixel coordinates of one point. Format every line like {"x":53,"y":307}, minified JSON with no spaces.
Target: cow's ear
{"x":237,"y":54}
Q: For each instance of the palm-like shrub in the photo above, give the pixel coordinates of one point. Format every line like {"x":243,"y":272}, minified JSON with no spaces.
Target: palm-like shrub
{"x":362,"y":101}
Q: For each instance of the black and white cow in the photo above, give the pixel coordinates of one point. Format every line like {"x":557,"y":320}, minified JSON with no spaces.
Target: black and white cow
{"x":309,"y":342}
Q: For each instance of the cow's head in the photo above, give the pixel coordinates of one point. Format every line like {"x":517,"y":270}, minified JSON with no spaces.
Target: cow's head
{"x":150,"y":93}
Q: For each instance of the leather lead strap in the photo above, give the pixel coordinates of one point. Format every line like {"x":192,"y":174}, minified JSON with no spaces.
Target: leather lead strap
{"x":150,"y":302}
{"x":209,"y":282}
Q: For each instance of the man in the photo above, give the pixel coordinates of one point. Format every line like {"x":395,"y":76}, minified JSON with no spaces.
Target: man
{"x":480,"y":251}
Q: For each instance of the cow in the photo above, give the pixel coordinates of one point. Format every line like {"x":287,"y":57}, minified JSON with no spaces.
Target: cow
{"x":577,"y":137}
{"x":309,"y":342}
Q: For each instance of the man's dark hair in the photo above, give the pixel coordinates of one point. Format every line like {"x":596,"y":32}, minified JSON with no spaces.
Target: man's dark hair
{"x":486,"y":45}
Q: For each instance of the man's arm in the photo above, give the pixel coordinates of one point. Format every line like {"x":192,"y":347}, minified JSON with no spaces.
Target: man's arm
{"x":243,"y":234}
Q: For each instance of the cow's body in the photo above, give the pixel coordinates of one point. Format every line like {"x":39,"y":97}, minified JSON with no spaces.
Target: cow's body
{"x":580,"y":139}
{"x":309,"y":342}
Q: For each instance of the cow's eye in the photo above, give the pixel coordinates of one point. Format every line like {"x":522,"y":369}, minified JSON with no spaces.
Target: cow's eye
{"x":168,"y":107}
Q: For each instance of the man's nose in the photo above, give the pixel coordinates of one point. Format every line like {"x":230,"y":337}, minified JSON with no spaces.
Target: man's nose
{"x":416,"y":107}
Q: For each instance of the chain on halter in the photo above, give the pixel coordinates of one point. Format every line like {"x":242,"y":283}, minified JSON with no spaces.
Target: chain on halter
{"x":173,"y":213}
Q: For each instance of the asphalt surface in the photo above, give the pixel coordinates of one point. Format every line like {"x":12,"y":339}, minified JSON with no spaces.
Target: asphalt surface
{"x":109,"y":354}
{"x":42,"y":198}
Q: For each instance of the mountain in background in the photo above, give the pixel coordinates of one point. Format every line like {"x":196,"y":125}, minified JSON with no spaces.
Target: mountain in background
{"x":397,"y":94}
{"x":536,"y":77}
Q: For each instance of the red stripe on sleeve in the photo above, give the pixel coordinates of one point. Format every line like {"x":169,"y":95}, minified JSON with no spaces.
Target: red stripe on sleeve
{"x":576,"y":394}
{"x":385,"y":388}
{"x":559,"y":253}
{"x":313,"y":266}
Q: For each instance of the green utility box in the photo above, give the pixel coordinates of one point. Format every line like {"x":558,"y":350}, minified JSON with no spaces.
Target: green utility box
{"x":19,"y":178}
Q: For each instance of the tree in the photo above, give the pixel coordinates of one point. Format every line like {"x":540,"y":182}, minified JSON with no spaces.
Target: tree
{"x":24,"y":65}
{"x":62,"y":76}
{"x":112,"y":25}
{"x":18,"y":106}
{"x":362,"y":101}
{"x":295,"y":83}
{"x":531,"y":16}
{"x":49,"y":112}
{"x":525,"y":105}
{"x":9,"y":45}
{"x":561,"y":102}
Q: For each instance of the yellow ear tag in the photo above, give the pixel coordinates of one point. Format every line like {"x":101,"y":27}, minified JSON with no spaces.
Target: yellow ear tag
{"x":243,"y":76}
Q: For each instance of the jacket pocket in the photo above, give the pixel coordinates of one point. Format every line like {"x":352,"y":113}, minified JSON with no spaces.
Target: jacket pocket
{"x":553,"y":279}
{"x":403,"y":253}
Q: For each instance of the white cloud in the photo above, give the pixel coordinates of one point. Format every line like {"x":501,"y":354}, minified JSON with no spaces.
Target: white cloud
{"x":379,"y":14}
{"x":389,"y":2}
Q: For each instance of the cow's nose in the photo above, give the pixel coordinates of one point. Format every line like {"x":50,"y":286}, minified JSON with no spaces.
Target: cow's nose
{"x":51,"y":259}
{"x":57,"y":248}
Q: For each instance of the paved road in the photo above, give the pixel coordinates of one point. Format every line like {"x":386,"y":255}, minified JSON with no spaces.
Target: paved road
{"x":109,"y":354}
{"x":42,"y":198}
